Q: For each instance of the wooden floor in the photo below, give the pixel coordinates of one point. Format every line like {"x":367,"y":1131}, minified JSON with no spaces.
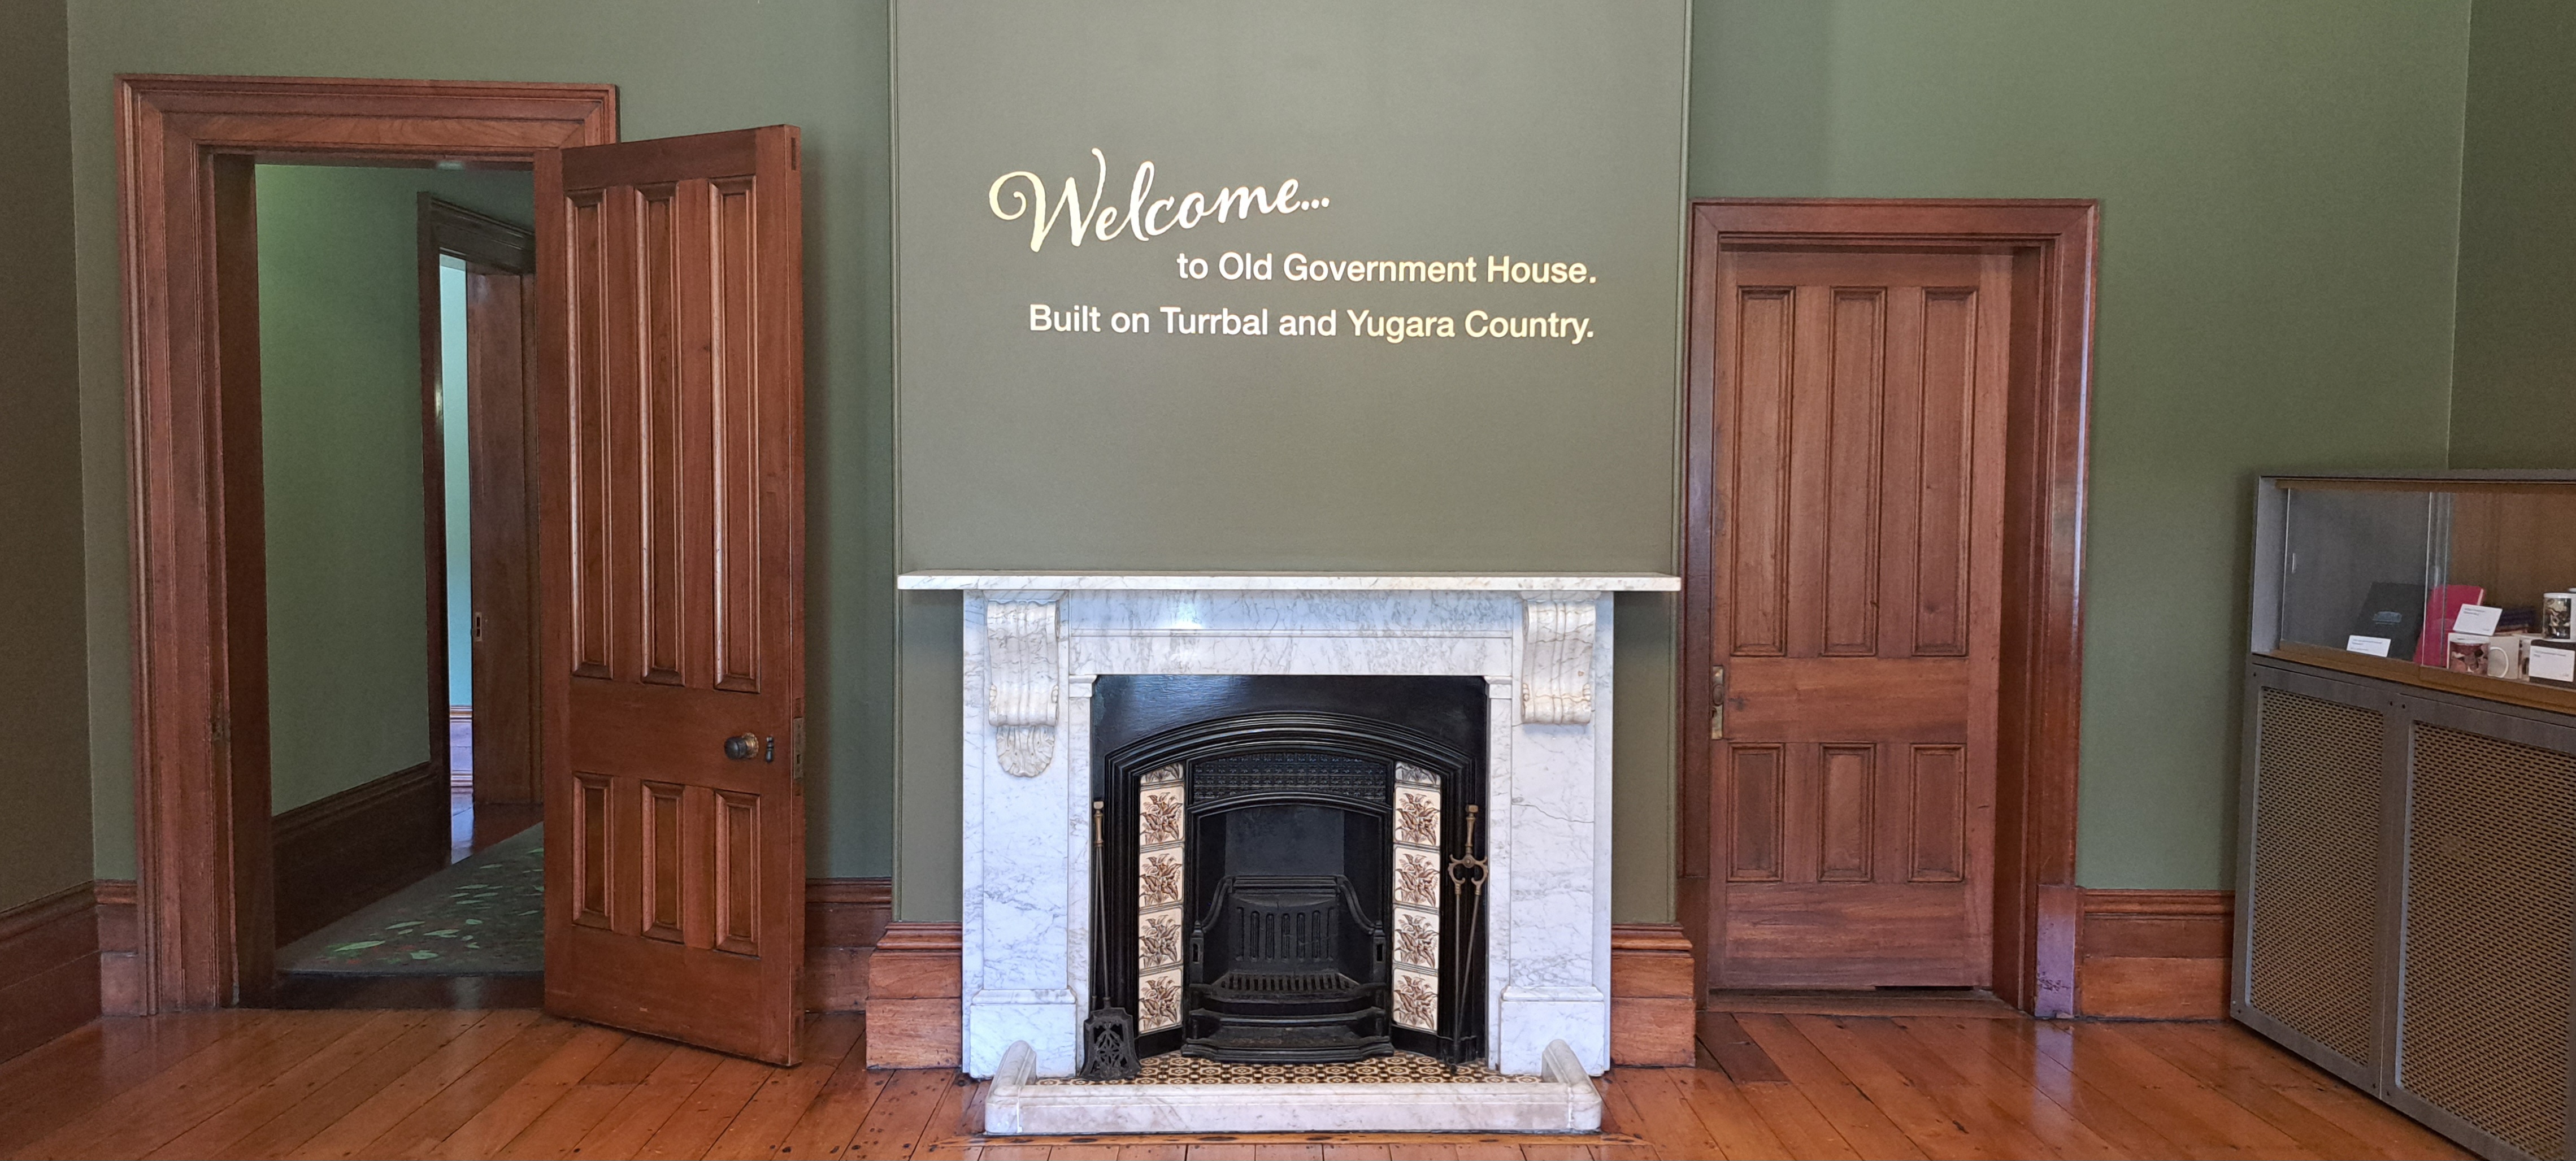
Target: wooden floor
{"x":511,"y":1083}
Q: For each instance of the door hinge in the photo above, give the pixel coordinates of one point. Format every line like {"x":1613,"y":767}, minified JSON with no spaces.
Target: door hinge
{"x":1716,"y":702}
{"x":796,"y":751}
{"x":219,"y":728}
{"x":478,"y":627}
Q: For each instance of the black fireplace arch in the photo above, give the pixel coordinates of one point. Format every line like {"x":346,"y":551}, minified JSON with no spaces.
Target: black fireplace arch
{"x":1288,"y":904}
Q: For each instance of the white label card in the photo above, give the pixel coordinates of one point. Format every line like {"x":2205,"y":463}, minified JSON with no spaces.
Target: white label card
{"x":2550,"y":664}
{"x":2375,"y":646}
{"x":2478,"y":619}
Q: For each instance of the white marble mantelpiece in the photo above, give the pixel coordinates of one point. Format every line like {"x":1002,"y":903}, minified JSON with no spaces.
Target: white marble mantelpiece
{"x":1034,"y":643}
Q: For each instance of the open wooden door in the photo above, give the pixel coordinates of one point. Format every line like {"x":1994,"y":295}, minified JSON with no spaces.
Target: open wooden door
{"x":670,"y":546}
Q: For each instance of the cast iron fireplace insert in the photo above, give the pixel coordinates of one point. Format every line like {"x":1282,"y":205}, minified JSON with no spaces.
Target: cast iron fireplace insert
{"x":1275,"y":859}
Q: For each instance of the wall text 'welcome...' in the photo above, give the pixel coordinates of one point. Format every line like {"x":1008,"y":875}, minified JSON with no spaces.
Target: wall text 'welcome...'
{"x":1146,"y":216}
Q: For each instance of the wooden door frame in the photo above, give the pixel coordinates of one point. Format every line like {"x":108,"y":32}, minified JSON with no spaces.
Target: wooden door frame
{"x":448,"y":229}
{"x":2055,"y":246}
{"x":188,"y":258}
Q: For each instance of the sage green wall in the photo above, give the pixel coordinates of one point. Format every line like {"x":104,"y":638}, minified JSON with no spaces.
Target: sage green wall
{"x":2513,"y":402}
{"x":44,"y":800}
{"x":2280,"y":186}
{"x":340,"y":433}
{"x":680,"y":66}
{"x":2280,"y":195}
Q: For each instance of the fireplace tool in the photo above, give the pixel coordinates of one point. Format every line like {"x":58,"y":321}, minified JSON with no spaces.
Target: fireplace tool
{"x":1108,"y":1034}
{"x":1466,"y":883}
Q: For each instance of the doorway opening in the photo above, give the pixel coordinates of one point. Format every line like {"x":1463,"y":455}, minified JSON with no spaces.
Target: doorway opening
{"x":190,"y":149}
{"x":393,"y":473}
{"x":1885,"y":433}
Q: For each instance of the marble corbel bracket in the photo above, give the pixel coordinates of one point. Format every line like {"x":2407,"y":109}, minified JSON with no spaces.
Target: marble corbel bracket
{"x":1556,"y":658}
{"x":1020,"y":702}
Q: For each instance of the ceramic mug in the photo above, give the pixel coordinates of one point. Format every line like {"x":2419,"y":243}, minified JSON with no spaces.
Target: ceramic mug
{"x":2558,"y":616}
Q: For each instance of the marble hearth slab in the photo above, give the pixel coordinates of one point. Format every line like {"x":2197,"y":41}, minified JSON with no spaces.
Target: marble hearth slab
{"x":1617,"y":582}
{"x":1563,"y":1101}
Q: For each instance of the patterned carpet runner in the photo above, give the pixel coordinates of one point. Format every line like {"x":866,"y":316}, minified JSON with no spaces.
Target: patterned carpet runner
{"x":481,"y":917}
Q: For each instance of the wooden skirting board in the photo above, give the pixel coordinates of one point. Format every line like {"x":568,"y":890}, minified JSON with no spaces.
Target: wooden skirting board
{"x":339,"y":853}
{"x":2154,"y":955}
{"x":844,"y":920}
{"x":48,"y":968}
{"x":2147,"y":955}
{"x":120,"y":945}
{"x":1650,"y":995}
{"x":913,"y":996}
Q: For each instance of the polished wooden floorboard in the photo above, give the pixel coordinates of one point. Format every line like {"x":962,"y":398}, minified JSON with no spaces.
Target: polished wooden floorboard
{"x":512,"y":1083}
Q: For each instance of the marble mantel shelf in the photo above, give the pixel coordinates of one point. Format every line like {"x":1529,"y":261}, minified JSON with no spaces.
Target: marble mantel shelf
{"x":1608,"y":582}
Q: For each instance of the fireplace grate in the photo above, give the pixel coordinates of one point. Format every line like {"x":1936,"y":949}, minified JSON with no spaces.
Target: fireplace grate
{"x":1332,"y":776}
{"x":1285,"y":983}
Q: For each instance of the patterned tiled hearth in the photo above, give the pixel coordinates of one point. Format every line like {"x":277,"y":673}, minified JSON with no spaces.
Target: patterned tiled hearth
{"x":1034,"y":646}
{"x":1401,"y":1068}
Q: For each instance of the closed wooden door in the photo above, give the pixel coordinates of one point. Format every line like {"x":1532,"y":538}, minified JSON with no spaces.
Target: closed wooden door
{"x":670,"y":531}
{"x":1858,"y":505}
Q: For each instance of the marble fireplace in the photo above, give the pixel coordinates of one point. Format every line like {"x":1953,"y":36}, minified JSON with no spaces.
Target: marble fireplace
{"x":1538,"y":649}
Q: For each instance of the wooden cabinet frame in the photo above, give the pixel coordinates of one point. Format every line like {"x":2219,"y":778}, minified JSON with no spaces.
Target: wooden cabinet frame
{"x":2054,"y":246}
{"x":188,"y":254}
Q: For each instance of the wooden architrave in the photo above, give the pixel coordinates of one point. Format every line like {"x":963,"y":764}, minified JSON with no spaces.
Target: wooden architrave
{"x":188,"y":253}
{"x":2055,"y":245}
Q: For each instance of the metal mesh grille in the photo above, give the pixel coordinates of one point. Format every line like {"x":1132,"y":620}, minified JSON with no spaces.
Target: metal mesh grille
{"x":2491,"y":854}
{"x":2316,"y":869}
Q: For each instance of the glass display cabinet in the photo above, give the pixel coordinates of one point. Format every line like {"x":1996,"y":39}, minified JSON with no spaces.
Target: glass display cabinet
{"x":2460,"y":581}
{"x":2406,"y":872}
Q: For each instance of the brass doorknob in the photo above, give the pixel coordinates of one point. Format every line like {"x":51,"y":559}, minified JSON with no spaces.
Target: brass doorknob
{"x":741,"y":746}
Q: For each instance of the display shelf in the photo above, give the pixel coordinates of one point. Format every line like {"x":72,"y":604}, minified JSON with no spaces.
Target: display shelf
{"x":2531,"y":694}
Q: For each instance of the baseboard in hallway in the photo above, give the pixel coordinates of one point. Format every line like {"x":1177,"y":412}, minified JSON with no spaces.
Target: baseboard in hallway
{"x":337,"y":854}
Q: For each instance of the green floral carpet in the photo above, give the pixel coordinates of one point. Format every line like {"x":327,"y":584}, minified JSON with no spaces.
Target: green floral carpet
{"x":484,"y":916}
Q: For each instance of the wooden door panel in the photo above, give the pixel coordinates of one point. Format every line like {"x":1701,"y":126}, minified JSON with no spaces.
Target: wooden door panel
{"x":665,"y":875}
{"x":675,"y":542}
{"x":1936,"y":811}
{"x":1755,"y":599}
{"x":1865,"y":699}
{"x":589,"y":272}
{"x":1847,"y":935}
{"x":1937,"y":531}
{"x":1846,"y":784}
{"x":1857,"y":512}
{"x":1845,"y":418}
{"x":1755,"y":784}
